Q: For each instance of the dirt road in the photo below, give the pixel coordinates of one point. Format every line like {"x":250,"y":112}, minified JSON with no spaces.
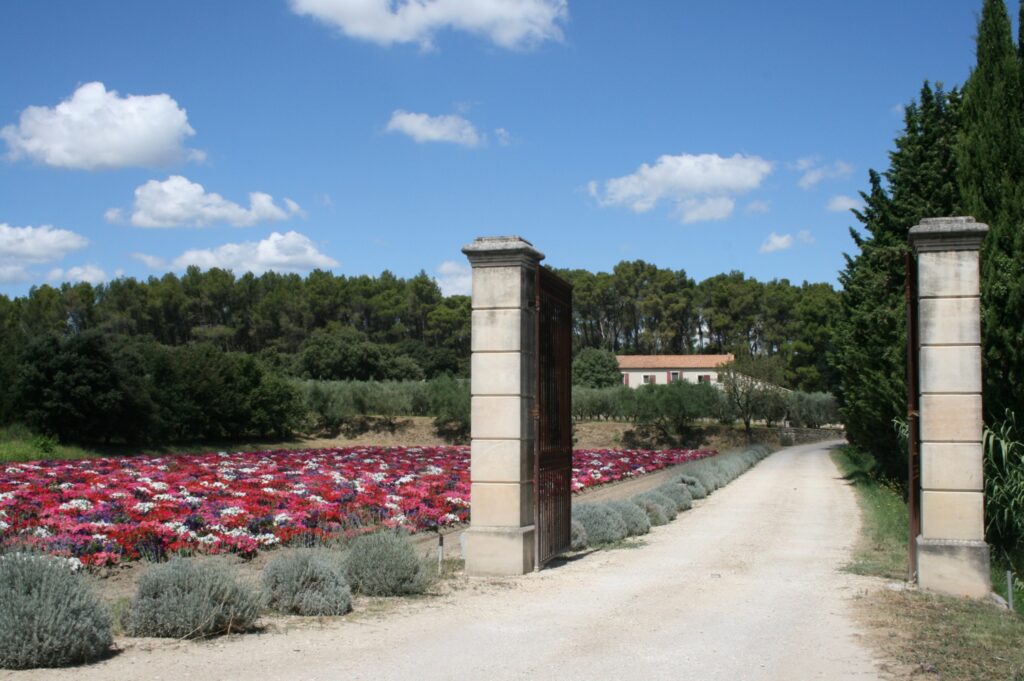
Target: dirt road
{"x":746,"y":586}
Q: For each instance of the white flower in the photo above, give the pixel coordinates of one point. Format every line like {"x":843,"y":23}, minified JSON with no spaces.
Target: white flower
{"x":282,"y":518}
{"x":76,"y":504}
{"x":4,"y":526}
{"x":143,"y":507}
{"x":231,"y":510}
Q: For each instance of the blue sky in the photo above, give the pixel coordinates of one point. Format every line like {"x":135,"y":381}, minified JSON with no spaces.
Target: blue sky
{"x":363,"y":135}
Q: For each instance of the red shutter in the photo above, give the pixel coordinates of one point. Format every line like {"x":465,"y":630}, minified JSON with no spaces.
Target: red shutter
{"x":668,"y":376}
{"x":625,"y":378}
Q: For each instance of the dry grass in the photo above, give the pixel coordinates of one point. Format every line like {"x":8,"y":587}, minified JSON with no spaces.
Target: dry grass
{"x":923,"y":636}
{"x":935,"y":637}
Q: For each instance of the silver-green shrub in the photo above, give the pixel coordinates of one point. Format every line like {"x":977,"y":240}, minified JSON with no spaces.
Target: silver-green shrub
{"x":671,"y":510}
{"x":385,"y":564}
{"x":603,"y":524}
{"x":655,"y":511}
{"x":697,"y":490}
{"x":637,"y":522}
{"x":48,"y":615}
{"x":579,"y":536}
{"x":188,"y":598}
{"x":307,"y":582}
{"x":678,"y":493}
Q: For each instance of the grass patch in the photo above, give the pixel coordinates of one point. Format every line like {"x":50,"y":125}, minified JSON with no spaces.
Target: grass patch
{"x":927,"y":636}
{"x":882,"y":549}
{"x":999,"y":568}
{"x":935,"y":637}
{"x":18,"y":443}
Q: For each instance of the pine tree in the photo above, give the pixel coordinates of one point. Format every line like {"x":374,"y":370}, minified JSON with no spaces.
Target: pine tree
{"x":870,"y":338}
{"x":991,"y":177}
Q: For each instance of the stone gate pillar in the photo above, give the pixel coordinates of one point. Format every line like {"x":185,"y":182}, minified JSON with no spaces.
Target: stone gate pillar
{"x":952,"y":555}
{"x":500,"y":540}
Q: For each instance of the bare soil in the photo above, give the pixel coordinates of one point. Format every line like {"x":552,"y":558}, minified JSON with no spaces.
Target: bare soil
{"x":747,"y":585}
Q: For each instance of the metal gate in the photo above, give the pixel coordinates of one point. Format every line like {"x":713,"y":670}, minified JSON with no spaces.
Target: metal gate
{"x":913,"y":416}
{"x":553,"y":458}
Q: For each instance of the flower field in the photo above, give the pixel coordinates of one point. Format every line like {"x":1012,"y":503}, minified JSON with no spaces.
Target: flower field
{"x":102,"y":511}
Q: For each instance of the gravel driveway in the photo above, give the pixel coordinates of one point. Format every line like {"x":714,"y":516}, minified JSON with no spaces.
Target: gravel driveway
{"x":745,"y":586}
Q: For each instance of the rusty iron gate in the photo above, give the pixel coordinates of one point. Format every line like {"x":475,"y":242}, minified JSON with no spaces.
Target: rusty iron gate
{"x":553,"y":453}
{"x":913,"y":415}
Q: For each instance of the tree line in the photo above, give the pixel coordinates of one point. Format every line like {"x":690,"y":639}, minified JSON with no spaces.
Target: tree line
{"x":961,"y":152}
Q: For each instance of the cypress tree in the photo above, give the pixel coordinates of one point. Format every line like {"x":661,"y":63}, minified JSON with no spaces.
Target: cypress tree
{"x":870,"y":338}
{"x":991,"y":178}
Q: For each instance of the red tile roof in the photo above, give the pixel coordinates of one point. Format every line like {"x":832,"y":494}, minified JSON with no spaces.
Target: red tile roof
{"x":673,"y":361}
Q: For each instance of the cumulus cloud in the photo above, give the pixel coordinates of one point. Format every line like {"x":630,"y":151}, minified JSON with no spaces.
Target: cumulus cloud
{"x":758,"y":207}
{"x":179,"y":202}
{"x":504,"y":138}
{"x":97,"y":128}
{"x":21,"y":245}
{"x":454,"y":278}
{"x":704,"y":210}
{"x":288,"y":252}
{"x":14,"y":274}
{"x":507,"y":23}
{"x":87,"y":273}
{"x":805,"y":237}
{"x":424,"y":128}
{"x":702,"y":186}
{"x":814,"y":172}
{"x":777,"y":242}
{"x":151,"y":261}
{"x":842,"y":204}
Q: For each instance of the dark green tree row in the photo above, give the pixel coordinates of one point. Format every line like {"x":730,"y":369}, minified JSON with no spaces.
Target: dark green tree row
{"x":870,"y":338}
{"x":640,"y":308}
{"x":960,"y":153}
{"x":391,"y":321}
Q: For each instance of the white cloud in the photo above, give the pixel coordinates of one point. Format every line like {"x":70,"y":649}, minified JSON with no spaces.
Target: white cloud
{"x":703,"y":210}
{"x":454,"y":278}
{"x":179,"y":202}
{"x":14,"y":274}
{"x":777,"y":242}
{"x":151,"y":261}
{"x":507,"y":23}
{"x":701,"y":185}
{"x":97,"y":128}
{"x":424,"y":128}
{"x":842,"y":204}
{"x":814,"y":173}
{"x":504,"y":138}
{"x":87,"y":273}
{"x":20,"y":245}
{"x":805,"y":236}
{"x":758,"y":207}
{"x":288,"y":252}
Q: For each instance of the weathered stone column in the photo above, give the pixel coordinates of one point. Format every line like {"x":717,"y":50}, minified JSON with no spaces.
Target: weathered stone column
{"x":952,"y":555}
{"x":500,"y":540}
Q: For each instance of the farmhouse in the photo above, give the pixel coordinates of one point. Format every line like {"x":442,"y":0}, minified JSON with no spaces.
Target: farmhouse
{"x":640,"y":369}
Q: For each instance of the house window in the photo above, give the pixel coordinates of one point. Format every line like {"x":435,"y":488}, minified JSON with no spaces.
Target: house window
{"x":648,"y":378}
{"x":625,"y":379}
{"x":673,"y":377}
{"x":704,"y":378}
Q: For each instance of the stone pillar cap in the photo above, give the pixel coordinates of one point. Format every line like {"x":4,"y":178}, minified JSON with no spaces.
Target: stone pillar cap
{"x":948,"y":234}
{"x":496,"y":251}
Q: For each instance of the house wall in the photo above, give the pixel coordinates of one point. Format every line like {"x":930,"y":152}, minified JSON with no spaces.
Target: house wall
{"x":661,"y":376}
